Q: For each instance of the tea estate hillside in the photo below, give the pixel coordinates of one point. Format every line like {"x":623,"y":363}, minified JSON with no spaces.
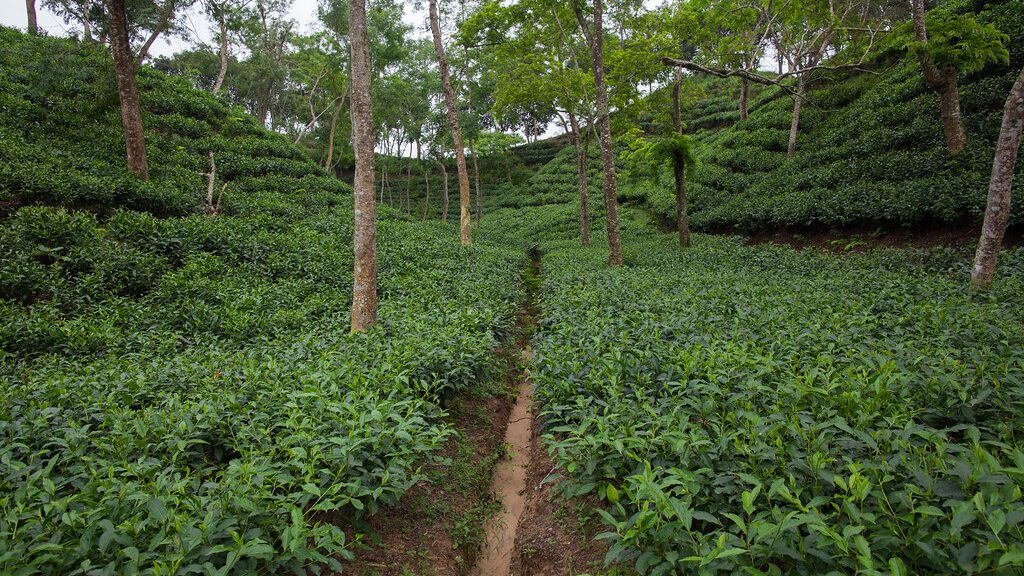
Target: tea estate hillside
{"x":512,"y":288}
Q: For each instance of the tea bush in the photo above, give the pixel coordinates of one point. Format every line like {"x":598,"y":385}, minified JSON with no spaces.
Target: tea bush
{"x":870,"y":152}
{"x":756,"y":410}
{"x":181,"y":392}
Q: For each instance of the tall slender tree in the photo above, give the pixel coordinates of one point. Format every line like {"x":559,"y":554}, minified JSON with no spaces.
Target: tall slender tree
{"x":33,"y":23}
{"x":679,"y":163}
{"x":947,"y":45}
{"x":127,"y":90}
{"x":581,"y":147}
{"x":465,"y":218}
{"x":364,"y":288}
{"x":218,"y":11}
{"x":611,"y":203}
{"x":941,"y":80}
{"x":997,"y":213}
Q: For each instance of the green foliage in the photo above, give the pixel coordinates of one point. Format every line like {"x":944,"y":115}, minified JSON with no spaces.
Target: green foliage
{"x":958,"y":41}
{"x":764,"y":411}
{"x":181,"y":392}
{"x":870,"y":151}
{"x":651,"y":157}
{"x":496,"y":143}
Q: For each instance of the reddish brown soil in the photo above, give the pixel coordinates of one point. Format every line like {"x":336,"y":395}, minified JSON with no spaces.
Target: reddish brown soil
{"x":555,"y":536}
{"x":509,"y":486}
{"x":411,"y":539}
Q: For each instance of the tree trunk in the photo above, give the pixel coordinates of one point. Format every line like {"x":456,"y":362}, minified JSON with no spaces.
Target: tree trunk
{"x":794,"y":127}
{"x":33,"y":24}
{"x":86,"y":26}
{"x":678,"y":166}
{"x":408,"y":183}
{"x":581,"y":170}
{"x":444,"y":209}
{"x":943,"y":82}
{"x":330,"y":137}
{"x":607,"y":152}
{"x":364,"y":285}
{"x":262,"y":104}
{"x":127,"y":90}
{"x":211,"y":180}
{"x":426,"y":203}
{"x":165,"y":19}
{"x":223,"y":53}
{"x":466,"y":235}
{"x":476,"y":180}
{"x":744,"y":98}
{"x":997,"y":214}
{"x":949,"y":109}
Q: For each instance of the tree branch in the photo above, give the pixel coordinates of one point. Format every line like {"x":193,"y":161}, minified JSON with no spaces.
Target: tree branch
{"x":165,"y":18}
{"x":760,"y":78}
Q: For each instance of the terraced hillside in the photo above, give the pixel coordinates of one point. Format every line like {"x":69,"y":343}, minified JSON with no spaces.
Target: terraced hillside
{"x":757,"y":409}
{"x":870,"y":153}
{"x":181,"y":392}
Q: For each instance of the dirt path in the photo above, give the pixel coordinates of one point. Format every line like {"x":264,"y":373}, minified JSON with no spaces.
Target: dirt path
{"x":509,"y":483}
{"x":486,"y":507}
{"x":509,"y":486}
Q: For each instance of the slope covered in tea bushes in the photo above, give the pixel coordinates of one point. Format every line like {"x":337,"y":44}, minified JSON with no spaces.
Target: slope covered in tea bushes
{"x":870,"y":153}
{"x":181,"y":392}
{"x":761,"y":410}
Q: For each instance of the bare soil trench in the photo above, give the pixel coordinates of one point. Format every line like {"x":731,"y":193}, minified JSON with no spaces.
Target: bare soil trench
{"x":486,"y":507}
{"x":509,"y":486}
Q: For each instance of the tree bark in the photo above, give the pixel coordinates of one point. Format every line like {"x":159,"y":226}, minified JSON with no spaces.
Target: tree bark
{"x":426,"y":203}
{"x":466,"y":234}
{"x":33,"y":23}
{"x":476,"y":180}
{"x":679,"y":166}
{"x":127,"y":90}
{"x":581,"y":170}
{"x":949,"y":109}
{"x":444,"y":209}
{"x":997,"y":213}
{"x":364,"y":286}
{"x":165,"y":19}
{"x":943,"y":82}
{"x":408,"y":183}
{"x":86,"y":26}
{"x":744,"y":97}
{"x":330,"y":136}
{"x":607,"y":152}
{"x":794,"y":126}
{"x":223,"y":53}
{"x":211,"y":180}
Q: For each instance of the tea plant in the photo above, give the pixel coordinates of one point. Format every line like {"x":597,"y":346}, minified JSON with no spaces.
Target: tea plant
{"x":181,"y":392}
{"x":765,"y":411}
